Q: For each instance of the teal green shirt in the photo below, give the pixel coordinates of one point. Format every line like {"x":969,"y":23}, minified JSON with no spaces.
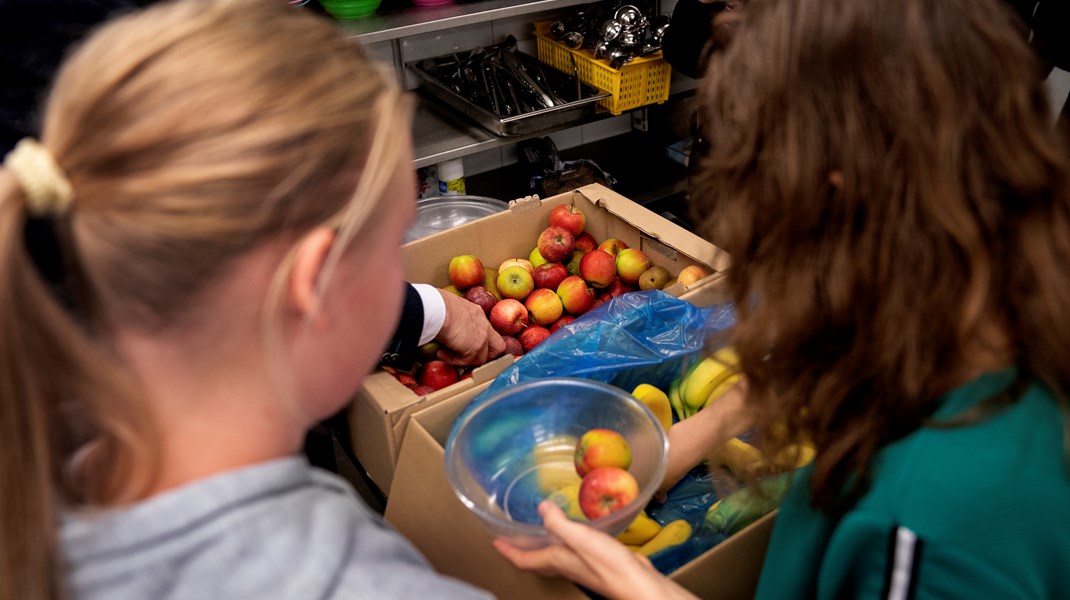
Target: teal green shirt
{"x":976,"y":511}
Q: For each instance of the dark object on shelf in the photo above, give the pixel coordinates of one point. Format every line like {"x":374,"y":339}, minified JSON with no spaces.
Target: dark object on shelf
{"x":508,"y":92}
{"x":551,"y":176}
{"x":692,"y":38}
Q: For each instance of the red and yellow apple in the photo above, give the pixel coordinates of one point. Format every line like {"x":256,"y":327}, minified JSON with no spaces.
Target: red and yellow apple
{"x":601,"y":447}
{"x":569,"y":217}
{"x":515,"y":262}
{"x":465,"y":271}
{"x":575,"y":296}
{"x":613,"y":246}
{"x":555,"y":243}
{"x":549,"y":275}
{"x":631,"y":262}
{"x":508,"y":317}
{"x":692,"y":273}
{"x":598,"y":268}
{"x":544,"y":306}
{"x":515,"y":282}
{"x":532,"y":336}
{"x":606,"y":490}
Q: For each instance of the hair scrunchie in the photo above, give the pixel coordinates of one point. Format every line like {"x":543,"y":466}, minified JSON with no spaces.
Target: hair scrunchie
{"x":48,"y":193}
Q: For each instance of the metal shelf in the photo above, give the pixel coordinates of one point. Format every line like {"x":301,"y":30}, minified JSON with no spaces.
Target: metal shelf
{"x":394,"y":23}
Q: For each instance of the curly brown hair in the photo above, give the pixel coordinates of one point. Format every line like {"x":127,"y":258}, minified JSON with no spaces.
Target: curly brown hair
{"x":886,"y":178}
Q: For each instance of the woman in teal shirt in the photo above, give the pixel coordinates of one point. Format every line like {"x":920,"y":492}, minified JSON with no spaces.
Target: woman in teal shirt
{"x":886,"y":178}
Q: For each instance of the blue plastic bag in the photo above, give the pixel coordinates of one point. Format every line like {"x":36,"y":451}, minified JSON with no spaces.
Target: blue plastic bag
{"x":638,"y":337}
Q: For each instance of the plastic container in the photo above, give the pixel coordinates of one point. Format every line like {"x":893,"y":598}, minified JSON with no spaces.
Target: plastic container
{"x":513,"y":451}
{"x":643,"y":81}
{"x":451,"y":178}
{"x":350,"y":9}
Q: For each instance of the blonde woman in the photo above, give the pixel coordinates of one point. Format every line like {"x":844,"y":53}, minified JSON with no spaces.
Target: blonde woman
{"x":227,"y":186}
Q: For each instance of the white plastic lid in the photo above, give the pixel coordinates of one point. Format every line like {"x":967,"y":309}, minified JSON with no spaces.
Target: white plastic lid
{"x":450,"y":169}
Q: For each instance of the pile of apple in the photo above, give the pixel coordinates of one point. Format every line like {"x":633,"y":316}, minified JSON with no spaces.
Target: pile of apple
{"x":565,"y":275}
{"x":602,"y":460}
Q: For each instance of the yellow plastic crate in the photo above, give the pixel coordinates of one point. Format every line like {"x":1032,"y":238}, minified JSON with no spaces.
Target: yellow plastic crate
{"x":643,"y":81}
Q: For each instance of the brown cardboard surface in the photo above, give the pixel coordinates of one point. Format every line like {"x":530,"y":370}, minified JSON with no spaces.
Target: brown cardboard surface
{"x":423,"y":507}
{"x":380,"y":410}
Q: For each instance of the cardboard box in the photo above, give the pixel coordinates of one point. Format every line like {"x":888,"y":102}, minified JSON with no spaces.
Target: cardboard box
{"x":423,"y":507}
{"x":381,"y":409}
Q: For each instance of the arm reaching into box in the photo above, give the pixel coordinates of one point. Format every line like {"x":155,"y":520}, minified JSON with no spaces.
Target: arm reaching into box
{"x":592,"y":559}
{"x":466,"y":333}
{"x":431,"y":314}
{"x":693,"y":438}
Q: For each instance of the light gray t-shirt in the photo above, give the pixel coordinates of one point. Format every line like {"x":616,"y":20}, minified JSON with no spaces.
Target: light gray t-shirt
{"x":281,"y":529}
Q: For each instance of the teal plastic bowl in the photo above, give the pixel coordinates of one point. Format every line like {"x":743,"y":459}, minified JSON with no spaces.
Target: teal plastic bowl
{"x":350,"y":9}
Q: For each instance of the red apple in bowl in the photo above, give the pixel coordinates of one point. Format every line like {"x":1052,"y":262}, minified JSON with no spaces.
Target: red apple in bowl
{"x":601,"y":447}
{"x":569,"y":217}
{"x":532,"y":336}
{"x":606,"y":490}
{"x":555,"y":243}
{"x":544,"y":306}
{"x":631,"y":263}
{"x":509,"y":316}
{"x":438,"y":374}
{"x":465,"y":271}
{"x":613,"y":246}
{"x":575,"y":296}
{"x":549,"y":275}
{"x":585,"y":242}
{"x":598,"y":268}
{"x":479,"y":296}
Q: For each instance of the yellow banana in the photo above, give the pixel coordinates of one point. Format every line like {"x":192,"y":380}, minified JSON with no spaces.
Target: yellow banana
{"x":705,"y":376}
{"x":657,"y":401}
{"x":722,"y":389}
{"x":568,"y":498}
{"x":672,"y":534}
{"x":741,"y":458}
{"x":794,"y":456}
{"x":675,"y":401}
{"x":641,"y":531}
{"x":553,"y":459}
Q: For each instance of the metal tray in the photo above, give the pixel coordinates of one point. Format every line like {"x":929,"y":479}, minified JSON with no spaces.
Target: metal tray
{"x":521,"y":124}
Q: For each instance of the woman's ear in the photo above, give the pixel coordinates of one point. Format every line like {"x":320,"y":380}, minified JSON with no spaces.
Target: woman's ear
{"x":310,"y":258}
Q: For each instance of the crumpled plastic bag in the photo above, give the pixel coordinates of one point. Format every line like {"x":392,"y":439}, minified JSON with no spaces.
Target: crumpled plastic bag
{"x":639,"y":337}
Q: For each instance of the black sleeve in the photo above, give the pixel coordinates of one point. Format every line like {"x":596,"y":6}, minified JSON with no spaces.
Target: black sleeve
{"x":401,"y":351}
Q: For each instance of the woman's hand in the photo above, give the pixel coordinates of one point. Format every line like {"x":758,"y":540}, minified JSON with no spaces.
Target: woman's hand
{"x":466,"y":333}
{"x":592,"y":559}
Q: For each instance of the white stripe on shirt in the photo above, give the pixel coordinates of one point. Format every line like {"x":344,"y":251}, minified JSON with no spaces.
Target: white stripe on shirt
{"x":903,"y":566}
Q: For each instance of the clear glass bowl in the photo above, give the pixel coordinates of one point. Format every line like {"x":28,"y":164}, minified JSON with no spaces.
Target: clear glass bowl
{"x":439,"y":213}
{"x":517,"y":448}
